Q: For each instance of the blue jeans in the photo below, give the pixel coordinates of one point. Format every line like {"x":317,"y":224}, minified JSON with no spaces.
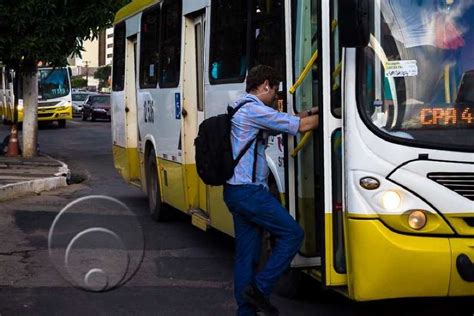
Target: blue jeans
{"x":254,"y":209}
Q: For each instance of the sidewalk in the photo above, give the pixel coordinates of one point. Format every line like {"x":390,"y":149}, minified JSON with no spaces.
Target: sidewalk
{"x":19,"y":176}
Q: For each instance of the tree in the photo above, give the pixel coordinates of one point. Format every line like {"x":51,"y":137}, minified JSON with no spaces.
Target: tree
{"x":48,"y":31}
{"x":103,"y":75}
{"x":78,"y":82}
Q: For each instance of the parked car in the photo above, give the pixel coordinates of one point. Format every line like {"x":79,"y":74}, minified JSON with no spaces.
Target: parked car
{"x":78,"y":99}
{"x":96,"y":107}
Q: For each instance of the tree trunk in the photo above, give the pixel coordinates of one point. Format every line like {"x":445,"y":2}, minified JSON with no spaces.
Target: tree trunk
{"x":30,"y":115}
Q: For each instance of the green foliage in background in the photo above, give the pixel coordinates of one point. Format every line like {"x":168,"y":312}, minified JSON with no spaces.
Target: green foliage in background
{"x":78,"y":82}
{"x":50,"y":30}
{"x":103,"y":74}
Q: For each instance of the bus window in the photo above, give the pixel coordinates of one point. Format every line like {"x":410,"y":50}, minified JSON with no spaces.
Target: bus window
{"x":119,"y":58}
{"x":268,"y":40}
{"x":53,"y":83}
{"x":408,"y":81}
{"x":306,"y":44}
{"x":336,"y":63}
{"x":170,"y":44}
{"x":228,"y":59}
{"x":149,"y":47}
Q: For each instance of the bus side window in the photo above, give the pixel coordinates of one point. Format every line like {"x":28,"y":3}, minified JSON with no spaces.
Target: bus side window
{"x":170,"y":44}
{"x":118,"y":76}
{"x":268,"y":40}
{"x":336,"y":63}
{"x":228,"y":43}
{"x":149,"y":47}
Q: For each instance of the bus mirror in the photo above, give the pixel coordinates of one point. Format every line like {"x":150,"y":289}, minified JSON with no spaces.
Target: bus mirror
{"x":354,"y":28}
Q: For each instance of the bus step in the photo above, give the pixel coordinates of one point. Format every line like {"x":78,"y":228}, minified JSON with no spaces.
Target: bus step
{"x":136,"y":183}
{"x":200,"y":219}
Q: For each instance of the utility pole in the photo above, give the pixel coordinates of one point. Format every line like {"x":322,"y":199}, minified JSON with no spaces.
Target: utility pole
{"x":87,"y":73}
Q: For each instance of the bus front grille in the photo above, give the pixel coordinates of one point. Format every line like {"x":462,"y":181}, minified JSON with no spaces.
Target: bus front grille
{"x":47,"y":104}
{"x":43,"y":115}
{"x":461,"y":183}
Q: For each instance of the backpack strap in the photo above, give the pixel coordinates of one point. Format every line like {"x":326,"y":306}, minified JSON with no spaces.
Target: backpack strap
{"x":231,"y":111}
{"x":243,"y":151}
{"x":254,"y":172}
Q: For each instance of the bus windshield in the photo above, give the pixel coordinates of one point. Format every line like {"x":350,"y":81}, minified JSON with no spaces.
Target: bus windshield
{"x":416,"y":77}
{"x":53,"y":83}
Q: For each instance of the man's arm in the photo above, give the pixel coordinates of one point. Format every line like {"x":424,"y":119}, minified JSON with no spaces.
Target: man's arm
{"x":309,"y":123}
{"x":314,"y":110}
{"x":309,"y":119}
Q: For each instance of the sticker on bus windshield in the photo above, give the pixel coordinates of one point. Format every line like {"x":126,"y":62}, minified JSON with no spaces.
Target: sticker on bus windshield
{"x":401,"y":68}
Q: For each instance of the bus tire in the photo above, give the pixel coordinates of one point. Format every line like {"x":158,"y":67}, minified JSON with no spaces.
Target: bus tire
{"x":153,"y":188}
{"x":62,"y":123}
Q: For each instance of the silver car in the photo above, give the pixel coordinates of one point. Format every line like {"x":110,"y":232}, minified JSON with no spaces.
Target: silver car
{"x":78,"y":99}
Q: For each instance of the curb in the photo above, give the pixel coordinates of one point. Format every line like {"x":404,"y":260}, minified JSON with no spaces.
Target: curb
{"x":16,"y":190}
{"x":35,"y":186}
{"x":63,"y":171}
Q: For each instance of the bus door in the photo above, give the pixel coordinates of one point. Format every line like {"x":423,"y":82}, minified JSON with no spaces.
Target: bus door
{"x":131,"y":118}
{"x":193,"y":112}
{"x":314,"y":159}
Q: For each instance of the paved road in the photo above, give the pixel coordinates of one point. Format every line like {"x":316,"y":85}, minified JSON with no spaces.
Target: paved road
{"x":183,"y":272}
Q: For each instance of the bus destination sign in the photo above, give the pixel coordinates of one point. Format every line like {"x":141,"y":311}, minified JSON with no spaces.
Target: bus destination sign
{"x":447,"y":117}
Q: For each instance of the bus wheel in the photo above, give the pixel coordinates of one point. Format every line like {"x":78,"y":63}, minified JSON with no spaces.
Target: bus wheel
{"x":153,"y":188}
{"x":62,"y":123}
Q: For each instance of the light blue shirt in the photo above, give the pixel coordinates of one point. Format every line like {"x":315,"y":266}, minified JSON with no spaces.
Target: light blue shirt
{"x":246,"y":123}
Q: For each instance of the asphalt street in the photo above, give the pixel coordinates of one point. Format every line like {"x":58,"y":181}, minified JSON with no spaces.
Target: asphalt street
{"x":167,"y":268}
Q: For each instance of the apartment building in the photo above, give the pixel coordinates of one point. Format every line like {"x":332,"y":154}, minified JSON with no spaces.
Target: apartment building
{"x":97,"y":53}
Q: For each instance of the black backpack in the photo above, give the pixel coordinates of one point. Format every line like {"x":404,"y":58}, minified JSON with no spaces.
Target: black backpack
{"x":214,"y":159}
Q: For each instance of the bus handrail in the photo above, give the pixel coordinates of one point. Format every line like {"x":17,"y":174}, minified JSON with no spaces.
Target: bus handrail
{"x":302,"y":143}
{"x":300,"y":80}
{"x":310,"y":63}
{"x":375,"y":45}
{"x":305,"y":72}
{"x":447,"y":88}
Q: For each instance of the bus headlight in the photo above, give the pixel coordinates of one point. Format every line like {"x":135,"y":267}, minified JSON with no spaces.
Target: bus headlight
{"x":417,"y":219}
{"x":391,"y":200}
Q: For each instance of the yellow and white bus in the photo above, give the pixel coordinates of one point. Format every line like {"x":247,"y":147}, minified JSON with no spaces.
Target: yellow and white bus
{"x":384,"y":189}
{"x":54,"y":96}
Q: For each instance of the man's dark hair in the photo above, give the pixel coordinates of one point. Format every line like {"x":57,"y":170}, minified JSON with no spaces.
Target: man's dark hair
{"x":258,"y":74}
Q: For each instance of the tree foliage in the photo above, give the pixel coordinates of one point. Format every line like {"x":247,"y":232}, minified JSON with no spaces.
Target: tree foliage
{"x":78,"y":82}
{"x":50,"y":30}
{"x":103,"y":75}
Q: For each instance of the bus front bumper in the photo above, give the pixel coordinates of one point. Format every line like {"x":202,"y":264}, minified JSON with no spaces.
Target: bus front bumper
{"x":51,"y":113}
{"x":386,"y":264}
